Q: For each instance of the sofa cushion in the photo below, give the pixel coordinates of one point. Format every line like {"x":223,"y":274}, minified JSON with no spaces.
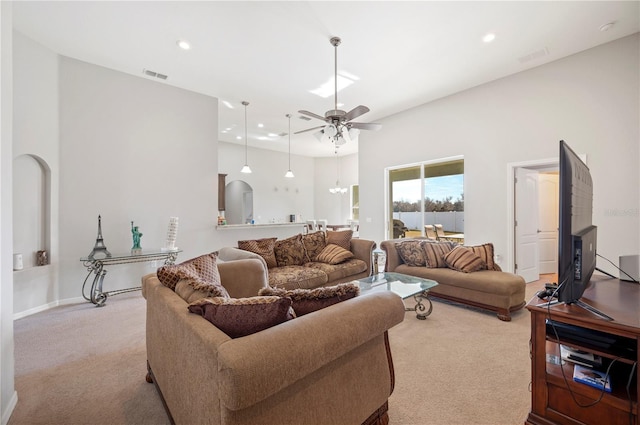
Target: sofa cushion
{"x":292,"y":277}
{"x":412,"y":252}
{"x":262,"y":247}
{"x":200,"y":273}
{"x":290,"y":251}
{"x":243,"y":316}
{"x":188,"y":293}
{"x":334,"y":254}
{"x":313,"y":243}
{"x":484,"y":251}
{"x":341,"y":238}
{"x":464,"y":260}
{"x":339,"y":271}
{"x":435,"y":252}
{"x":309,"y":300}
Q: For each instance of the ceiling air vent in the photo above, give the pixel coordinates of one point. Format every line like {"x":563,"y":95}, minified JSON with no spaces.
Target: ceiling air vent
{"x":536,"y":54}
{"x":154,"y":74}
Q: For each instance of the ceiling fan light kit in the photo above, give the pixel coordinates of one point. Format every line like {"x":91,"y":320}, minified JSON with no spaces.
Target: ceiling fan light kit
{"x":338,"y":127}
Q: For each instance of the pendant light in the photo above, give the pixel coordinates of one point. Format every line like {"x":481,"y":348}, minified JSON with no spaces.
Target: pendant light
{"x":246,"y":169}
{"x":338,"y":189}
{"x":289,"y":173}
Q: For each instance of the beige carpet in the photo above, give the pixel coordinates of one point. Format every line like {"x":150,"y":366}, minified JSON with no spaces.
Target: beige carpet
{"x":79,"y":364}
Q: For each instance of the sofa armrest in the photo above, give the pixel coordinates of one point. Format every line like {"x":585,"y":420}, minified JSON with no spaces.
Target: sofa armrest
{"x":243,"y":278}
{"x":393,"y":256}
{"x":257,"y":366}
{"x":363,"y":250}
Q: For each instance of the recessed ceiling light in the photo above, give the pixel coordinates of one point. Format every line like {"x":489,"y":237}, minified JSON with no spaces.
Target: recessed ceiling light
{"x":260,"y":125}
{"x":239,"y":137}
{"x":227,"y":104}
{"x":328,"y":88}
{"x":488,"y":38}
{"x":183,"y":44}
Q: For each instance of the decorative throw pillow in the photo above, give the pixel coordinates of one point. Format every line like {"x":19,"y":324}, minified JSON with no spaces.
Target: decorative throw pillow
{"x":262,"y":247}
{"x":484,"y":251}
{"x":434,"y":254}
{"x":333,"y":254}
{"x":201,"y":273}
{"x":464,"y":260}
{"x":412,"y":253}
{"x":243,"y":316}
{"x":309,"y":300}
{"x":313,"y":243}
{"x":341,"y":238}
{"x":290,"y":251}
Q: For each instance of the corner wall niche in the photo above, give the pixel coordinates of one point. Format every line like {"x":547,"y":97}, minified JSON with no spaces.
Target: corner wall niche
{"x":31,"y":208}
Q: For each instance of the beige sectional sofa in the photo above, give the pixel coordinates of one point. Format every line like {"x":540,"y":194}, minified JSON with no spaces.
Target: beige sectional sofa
{"x":332,"y":366}
{"x":490,"y":289}
{"x":296,"y":262}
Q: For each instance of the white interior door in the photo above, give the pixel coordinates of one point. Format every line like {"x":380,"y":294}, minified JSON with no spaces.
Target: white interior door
{"x":526,"y":224}
{"x":548,"y":219}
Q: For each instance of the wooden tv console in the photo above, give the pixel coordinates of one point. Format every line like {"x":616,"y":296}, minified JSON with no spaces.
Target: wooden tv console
{"x":555,"y":397}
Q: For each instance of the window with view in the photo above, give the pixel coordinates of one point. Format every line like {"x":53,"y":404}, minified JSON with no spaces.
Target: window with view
{"x":426,"y":193}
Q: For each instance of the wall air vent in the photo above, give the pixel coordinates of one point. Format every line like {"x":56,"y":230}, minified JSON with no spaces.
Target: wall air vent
{"x":154,"y":74}
{"x":536,"y":54}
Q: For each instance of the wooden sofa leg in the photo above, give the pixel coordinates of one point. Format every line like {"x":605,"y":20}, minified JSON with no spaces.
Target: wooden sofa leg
{"x":504,"y":316}
{"x":380,"y":416}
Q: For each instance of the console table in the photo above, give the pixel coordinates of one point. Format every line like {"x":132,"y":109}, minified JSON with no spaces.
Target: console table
{"x":555,"y":397}
{"x":97,"y":267}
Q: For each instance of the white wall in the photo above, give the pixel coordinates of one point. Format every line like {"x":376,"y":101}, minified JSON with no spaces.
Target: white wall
{"x":274,"y":195}
{"x":8,"y":395}
{"x":589,"y":99}
{"x":335,"y":208}
{"x":35,"y":141}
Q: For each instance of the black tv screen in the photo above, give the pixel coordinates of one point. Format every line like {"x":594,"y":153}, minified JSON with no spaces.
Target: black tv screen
{"x":576,"y":232}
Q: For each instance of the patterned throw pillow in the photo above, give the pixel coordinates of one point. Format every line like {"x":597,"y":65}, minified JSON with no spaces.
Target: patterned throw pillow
{"x":435,"y":252}
{"x":244,"y":316}
{"x":290,"y":251}
{"x":341,"y":238}
{"x":309,"y":300}
{"x":262,"y":247}
{"x":412,"y":253}
{"x":333,"y":254}
{"x":464,"y":260}
{"x":484,"y":251}
{"x":313,"y":243}
{"x":200,"y":273}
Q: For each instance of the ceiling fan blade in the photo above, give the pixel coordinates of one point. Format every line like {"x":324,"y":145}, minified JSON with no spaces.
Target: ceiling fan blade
{"x":312,"y":115}
{"x":356,"y":112}
{"x":365,"y":126}
{"x":308,"y":129}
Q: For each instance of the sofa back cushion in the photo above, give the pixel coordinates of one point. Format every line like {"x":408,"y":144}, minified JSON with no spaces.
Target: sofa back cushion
{"x":244,"y":316}
{"x":290,"y":251}
{"x":341,"y":238}
{"x":412,"y":253}
{"x":306,"y":301}
{"x":262,"y":247}
{"x":435,"y":252}
{"x":464,"y":260}
{"x":200,"y":273}
{"x":313,"y":243}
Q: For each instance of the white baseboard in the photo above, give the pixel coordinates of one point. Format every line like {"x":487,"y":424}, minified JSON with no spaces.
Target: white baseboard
{"x":47,"y":306}
{"x":6,"y":415}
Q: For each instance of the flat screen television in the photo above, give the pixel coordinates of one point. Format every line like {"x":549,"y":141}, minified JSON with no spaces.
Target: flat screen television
{"x":577,"y":236}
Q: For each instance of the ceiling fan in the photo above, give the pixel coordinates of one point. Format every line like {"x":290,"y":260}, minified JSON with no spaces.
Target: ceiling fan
{"x":339,"y":128}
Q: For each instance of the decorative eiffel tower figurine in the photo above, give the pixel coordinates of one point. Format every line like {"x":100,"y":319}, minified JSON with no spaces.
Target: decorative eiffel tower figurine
{"x":99,"y":246}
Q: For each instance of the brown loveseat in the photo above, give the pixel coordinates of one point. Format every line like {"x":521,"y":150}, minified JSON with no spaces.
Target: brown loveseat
{"x":296,"y":262}
{"x":490,"y":289}
{"x":332,"y":366}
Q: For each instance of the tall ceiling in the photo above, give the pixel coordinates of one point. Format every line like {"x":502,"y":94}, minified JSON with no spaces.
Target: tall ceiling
{"x":272,"y":54}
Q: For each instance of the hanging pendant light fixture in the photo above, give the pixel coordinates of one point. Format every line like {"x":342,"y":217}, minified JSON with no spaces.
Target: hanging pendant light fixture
{"x":289,"y":173}
{"x":246,"y":169}
{"x":338,"y":189}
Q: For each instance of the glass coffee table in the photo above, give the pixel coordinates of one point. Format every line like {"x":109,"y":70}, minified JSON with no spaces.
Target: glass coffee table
{"x":403,"y":285}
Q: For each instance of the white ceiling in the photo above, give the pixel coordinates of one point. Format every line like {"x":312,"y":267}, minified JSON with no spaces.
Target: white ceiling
{"x":272,"y":54}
